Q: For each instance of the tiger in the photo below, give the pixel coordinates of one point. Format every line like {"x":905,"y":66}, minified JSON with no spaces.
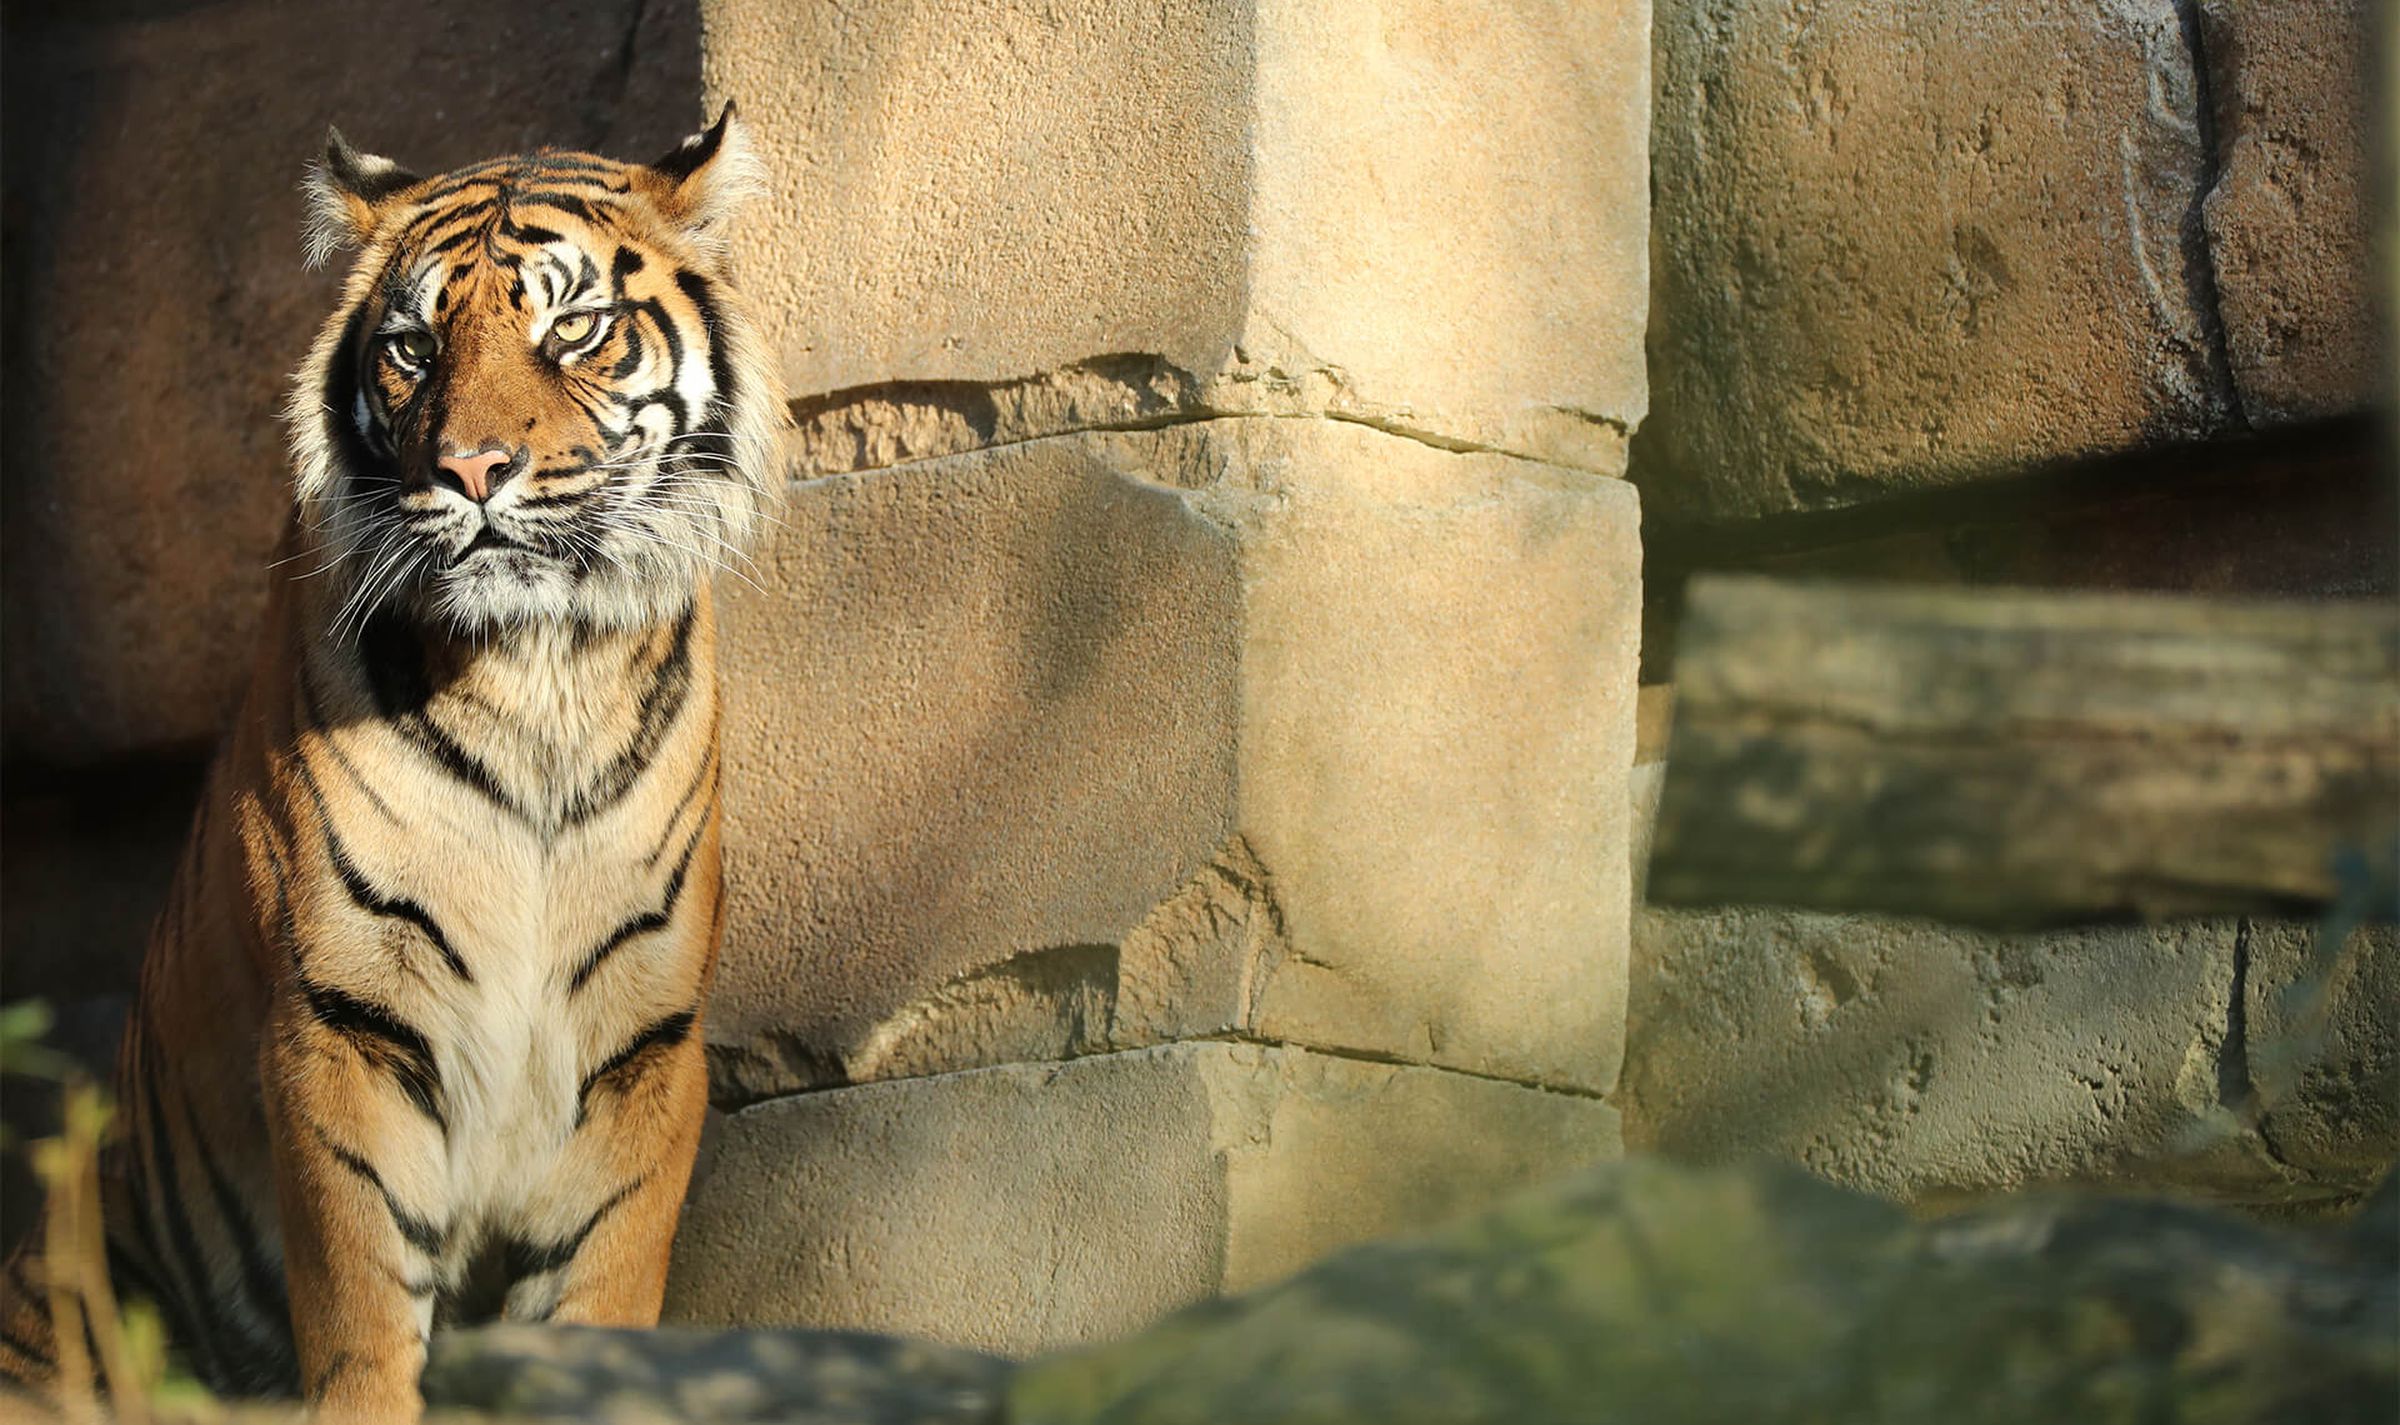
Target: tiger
{"x":417,"y":1034}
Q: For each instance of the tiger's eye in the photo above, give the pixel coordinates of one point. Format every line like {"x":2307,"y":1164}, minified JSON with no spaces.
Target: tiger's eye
{"x":415,"y":347}
{"x":573,"y":327}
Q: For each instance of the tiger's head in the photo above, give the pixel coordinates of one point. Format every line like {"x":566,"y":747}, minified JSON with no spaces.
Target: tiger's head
{"x":540,"y":398}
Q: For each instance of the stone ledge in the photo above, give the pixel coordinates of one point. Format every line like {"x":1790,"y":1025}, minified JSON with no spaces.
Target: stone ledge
{"x":898,"y":423}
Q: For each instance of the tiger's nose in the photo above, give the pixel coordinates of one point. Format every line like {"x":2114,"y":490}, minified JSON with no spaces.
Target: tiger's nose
{"x":477,"y":473}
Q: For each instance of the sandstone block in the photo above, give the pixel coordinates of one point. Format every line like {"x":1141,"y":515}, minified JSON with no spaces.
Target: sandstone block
{"x":979,"y":719}
{"x":1902,"y":246}
{"x":1232,"y":727}
{"x":1024,"y":1207}
{"x":2321,"y":1054}
{"x":157,"y":303}
{"x":1005,"y":220}
{"x":2289,"y":217}
{"x":1438,"y":684}
{"x":1925,"y":1061}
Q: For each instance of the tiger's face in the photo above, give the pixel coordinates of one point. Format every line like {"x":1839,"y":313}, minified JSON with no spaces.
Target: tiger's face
{"x":540,"y":399}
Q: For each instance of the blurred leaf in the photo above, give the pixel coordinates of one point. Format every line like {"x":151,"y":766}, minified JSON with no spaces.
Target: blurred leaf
{"x":22,"y":1026}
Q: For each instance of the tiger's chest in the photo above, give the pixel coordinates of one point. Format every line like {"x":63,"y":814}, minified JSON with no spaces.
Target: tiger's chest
{"x":530,"y":885}
{"x":525,"y":956}
{"x":566,"y":949}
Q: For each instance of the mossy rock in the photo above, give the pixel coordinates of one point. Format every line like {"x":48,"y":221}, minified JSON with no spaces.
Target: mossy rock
{"x":613,"y":1377}
{"x":1646,"y":1292}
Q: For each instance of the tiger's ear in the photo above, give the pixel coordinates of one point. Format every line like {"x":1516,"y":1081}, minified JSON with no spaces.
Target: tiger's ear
{"x":707,"y":177}
{"x":348,"y":193}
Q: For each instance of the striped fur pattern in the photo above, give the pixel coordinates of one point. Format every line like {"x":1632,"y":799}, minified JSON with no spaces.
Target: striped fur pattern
{"x":418,"y":1033}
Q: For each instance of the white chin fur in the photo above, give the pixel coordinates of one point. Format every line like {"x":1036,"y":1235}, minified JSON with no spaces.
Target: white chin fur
{"x":508,"y":588}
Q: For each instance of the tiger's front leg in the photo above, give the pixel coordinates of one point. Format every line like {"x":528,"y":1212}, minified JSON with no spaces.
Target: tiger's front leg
{"x":358,"y":1187}
{"x":599,"y":1256}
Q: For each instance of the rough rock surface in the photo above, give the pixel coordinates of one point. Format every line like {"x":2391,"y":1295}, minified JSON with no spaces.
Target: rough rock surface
{"x":1926,"y":1061}
{"x":2321,"y":1048}
{"x":2238,"y":1059}
{"x":1900,"y":246}
{"x":979,"y":719}
{"x":1030,"y":1206}
{"x":1016,"y":220}
{"x":615,"y":1377}
{"x":2290,"y":216}
{"x":1646,"y":1292}
{"x":1228,"y":727}
{"x":156,"y":302}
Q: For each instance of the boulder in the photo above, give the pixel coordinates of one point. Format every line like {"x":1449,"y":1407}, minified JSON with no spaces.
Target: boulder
{"x":622,"y":1377}
{"x":2253,"y":1061}
{"x":1930,"y":1062}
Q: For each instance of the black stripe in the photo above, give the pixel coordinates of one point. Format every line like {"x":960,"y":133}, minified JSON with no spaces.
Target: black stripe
{"x":644,"y":923}
{"x":670,"y":684}
{"x":166,"y":1193}
{"x":521,"y":1259}
{"x":679,"y":415}
{"x":587,"y":274}
{"x":383,"y":1040}
{"x":333,"y":749}
{"x":669,"y":335}
{"x":375,"y":902}
{"x":700,"y":778}
{"x":430,"y":739}
{"x":568,"y":163}
{"x":135,"y":1281}
{"x":637,"y":353}
{"x":419,"y":1232}
{"x":553,"y":198}
{"x":494,"y":172}
{"x":335,"y":1365}
{"x":365,"y":896}
{"x":533,"y":233}
{"x":579,"y":496}
{"x":27,"y":1349}
{"x":395,"y":671}
{"x":353,"y":457}
{"x":286,"y":928}
{"x":626,"y":263}
{"x":451,"y":242}
{"x":16,"y":1278}
{"x":663,"y":1034}
{"x":260,"y":1278}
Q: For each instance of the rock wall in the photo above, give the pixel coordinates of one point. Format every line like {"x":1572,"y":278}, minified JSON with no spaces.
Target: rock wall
{"x":1902,"y":248}
{"x":1176,"y":743}
{"x":2252,"y":1062}
{"x":2072,"y":294}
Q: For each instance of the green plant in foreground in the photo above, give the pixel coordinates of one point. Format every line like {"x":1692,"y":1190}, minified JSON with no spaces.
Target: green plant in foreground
{"x":100,"y":1341}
